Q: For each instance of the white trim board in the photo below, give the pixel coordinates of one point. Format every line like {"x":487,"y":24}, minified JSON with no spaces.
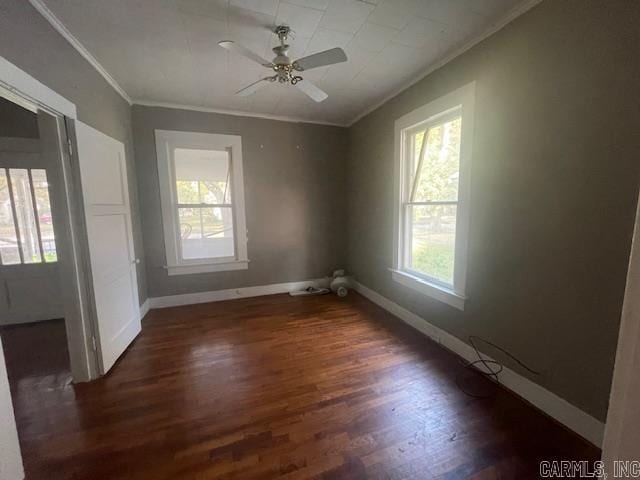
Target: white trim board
{"x":499,"y":24}
{"x":21,"y":83}
{"x":75,"y":43}
{"x":232,"y":293}
{"x":235,"y":113}
{"x":557,"y":408}
{"x":144,"y":308}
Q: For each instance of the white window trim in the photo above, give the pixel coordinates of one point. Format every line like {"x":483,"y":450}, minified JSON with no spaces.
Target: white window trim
{"x":28,"y":162}
{"x":463,"y":99}
{"x":167,"y":140}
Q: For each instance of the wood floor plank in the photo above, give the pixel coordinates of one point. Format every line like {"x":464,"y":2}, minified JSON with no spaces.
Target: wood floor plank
{"x":271,"y":388}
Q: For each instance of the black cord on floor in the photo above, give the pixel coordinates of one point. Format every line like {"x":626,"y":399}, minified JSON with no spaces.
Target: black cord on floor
{"x":492,"y":368}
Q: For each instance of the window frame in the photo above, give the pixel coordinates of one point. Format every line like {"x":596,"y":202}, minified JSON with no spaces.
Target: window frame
{"x":166,"y":143}
{"x":434,"y":113}
{"x":29,"y":168}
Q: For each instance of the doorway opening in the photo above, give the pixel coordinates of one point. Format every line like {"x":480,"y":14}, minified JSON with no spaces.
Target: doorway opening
{"x":68,"y":272}
{"x":32,"y":309}
{"x":44,"y":259}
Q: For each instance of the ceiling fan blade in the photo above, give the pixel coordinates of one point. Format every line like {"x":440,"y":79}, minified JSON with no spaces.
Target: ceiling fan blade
{"x":321,"y":59}
{"x":255,"y":86}
{"x":312,"y":90}
{"x":245,"y":52}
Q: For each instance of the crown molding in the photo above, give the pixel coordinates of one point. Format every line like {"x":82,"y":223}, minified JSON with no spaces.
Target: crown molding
{"x":499,"y":24}
{"x":75,"y":43}
{"x":236,"y":113}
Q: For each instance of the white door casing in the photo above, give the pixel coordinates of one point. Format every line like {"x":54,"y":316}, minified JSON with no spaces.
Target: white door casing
{"x":622,"y":435}
{"x":10,"y":457}
{"x":109,"y":231}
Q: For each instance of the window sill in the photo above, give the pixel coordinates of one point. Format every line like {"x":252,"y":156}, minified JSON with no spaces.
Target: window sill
{"x":432,"y":290}
{"x":207,"y":268}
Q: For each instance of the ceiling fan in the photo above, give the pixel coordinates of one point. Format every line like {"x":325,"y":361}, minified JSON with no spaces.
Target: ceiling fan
{"x":285,"y":69}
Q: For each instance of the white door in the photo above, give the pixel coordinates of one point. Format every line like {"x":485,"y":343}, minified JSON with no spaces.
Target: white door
{"x":105,"y":190}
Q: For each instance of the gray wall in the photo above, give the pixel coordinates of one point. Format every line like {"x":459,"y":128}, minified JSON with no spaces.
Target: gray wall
{"x":554,"y":188}
{"x":28,"y":41}
{"x":294,"y":189}
{"x":16,"y":121}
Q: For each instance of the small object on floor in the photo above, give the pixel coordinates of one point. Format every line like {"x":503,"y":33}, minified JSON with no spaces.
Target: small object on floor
{"x":339,"y":284}
{"x":309,"y":291}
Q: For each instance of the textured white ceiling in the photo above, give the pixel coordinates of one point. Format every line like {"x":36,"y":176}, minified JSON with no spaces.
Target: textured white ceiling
{"x":166,"y":50}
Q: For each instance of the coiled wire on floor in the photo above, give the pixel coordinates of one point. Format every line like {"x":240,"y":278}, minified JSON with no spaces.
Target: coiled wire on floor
{"x":487,"y":368}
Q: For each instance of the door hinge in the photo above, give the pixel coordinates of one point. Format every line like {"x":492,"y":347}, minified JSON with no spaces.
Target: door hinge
{"x":94,"y":344}
{"x":70,"y":147}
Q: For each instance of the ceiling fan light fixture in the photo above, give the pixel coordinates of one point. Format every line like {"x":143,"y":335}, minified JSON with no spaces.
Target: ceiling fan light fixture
{"x":284,"y":68}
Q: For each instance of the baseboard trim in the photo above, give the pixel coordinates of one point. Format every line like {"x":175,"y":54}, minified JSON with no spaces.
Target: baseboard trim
{"x":231,"y":293}
{"x":562,"y":411}
{"x":144,"y":308}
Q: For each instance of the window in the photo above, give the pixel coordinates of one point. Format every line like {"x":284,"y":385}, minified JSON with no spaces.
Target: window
{"x":202,"y":196}
{"x":433,"y":148}
{"x":26,"y":225}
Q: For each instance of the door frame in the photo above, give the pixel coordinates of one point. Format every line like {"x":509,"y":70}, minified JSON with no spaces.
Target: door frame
{"x":73,"y":247}
{"x":620,"y":435}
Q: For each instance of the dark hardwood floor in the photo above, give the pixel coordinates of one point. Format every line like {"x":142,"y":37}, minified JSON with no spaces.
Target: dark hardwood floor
{"x":278,"y":387}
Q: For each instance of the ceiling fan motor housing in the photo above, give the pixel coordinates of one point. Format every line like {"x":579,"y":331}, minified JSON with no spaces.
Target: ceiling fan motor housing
{"x":286,"y":70}
{"x":282,"y":63}
{"x":282,"y":54}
